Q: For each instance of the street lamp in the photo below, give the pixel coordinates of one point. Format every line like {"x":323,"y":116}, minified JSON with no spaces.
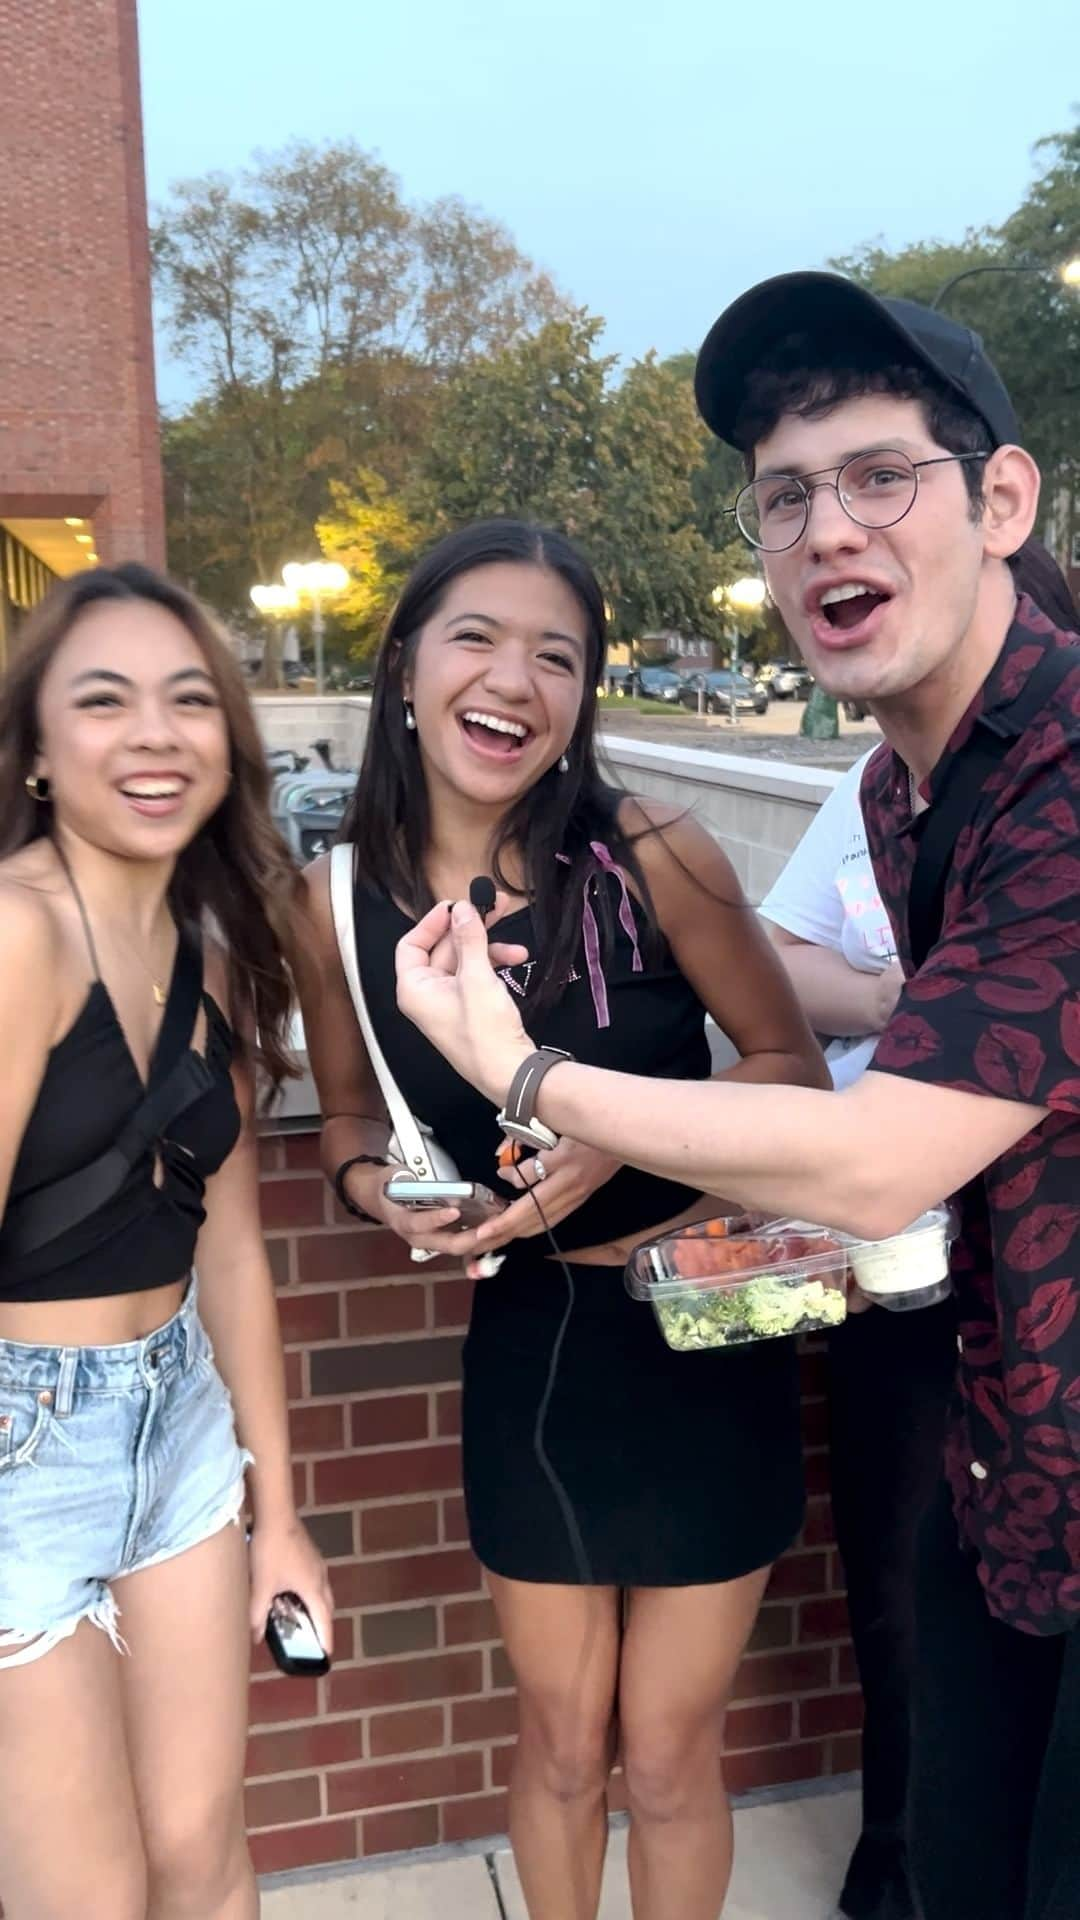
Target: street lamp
{"x":1069,"y":275}
{"x":274,"y":600}
{"x":313,"y":579}
{"x":745,"y":595}
{"x":275,"y":603}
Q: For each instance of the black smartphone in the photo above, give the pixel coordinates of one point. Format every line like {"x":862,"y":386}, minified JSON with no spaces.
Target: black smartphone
{"x":473,"y":1201}
{"x":291,"y":1637}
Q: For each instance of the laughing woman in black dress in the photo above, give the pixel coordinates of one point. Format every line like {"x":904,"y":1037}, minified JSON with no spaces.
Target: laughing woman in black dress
{"x":628,"y":1577}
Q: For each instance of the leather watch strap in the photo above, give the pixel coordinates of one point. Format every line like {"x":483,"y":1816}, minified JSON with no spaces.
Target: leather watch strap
{"x":517,"y":1118}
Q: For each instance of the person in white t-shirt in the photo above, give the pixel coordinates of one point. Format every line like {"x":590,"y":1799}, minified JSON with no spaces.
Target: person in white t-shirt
{"x":889,"y":1374}
{"x":833,"y":934}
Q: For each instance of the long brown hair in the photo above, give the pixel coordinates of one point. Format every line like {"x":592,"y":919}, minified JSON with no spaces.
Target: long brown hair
{"x":237,"y":871}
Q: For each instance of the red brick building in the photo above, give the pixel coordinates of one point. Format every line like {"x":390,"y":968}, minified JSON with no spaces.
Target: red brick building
{"x":80,"y":472}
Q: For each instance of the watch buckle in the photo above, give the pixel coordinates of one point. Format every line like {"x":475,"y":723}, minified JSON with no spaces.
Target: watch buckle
{"x":533,"y":1134}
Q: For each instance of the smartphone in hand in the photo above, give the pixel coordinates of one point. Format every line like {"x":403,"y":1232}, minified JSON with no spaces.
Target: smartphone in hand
{"x":474,"y":1202}
{"x":294,"y":1644}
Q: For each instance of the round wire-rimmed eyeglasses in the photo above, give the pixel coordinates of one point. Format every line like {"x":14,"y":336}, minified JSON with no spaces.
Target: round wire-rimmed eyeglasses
{"x":875,"y":489}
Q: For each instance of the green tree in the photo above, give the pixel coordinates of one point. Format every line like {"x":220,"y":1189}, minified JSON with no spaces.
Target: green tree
{"x":522,"y":433}
{"x":714,"y":483}
{"x":372,"y":533}
{"x":475,"y":292}
{"x":659,"y":570}
{"x":312,"y":258}
{"x":542,"y":431}
{"x":717,"y":476}
{"x":238,"y":495}
{"x":321,"y":314}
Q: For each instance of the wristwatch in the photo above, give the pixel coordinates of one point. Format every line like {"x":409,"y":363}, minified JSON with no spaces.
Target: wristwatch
{"x":518,"y":1117}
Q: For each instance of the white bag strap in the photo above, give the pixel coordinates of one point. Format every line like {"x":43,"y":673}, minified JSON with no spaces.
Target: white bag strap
{"x":410,"y":1136}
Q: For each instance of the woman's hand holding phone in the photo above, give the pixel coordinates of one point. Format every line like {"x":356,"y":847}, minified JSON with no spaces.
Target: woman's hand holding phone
{"x":473,"y":1203}
{"x":427,"y":1228}
{"x":285,"y":1559}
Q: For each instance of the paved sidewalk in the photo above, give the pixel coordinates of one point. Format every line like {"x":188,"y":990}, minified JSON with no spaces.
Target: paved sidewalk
{"x":789,"y":1861}
{"x":460,"y":1889}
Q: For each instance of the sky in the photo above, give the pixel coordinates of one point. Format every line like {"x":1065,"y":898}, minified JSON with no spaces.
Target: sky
{"x":655,"y":159}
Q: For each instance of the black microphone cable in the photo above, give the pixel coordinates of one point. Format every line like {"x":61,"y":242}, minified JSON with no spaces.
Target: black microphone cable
{"x":562,"y":1498}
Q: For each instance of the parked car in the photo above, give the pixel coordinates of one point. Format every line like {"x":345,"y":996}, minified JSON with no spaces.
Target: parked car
{"x":308,"y":809}
{"x":659,"y":683}
{"x":786,"y":679}
{"x":718,"y":690}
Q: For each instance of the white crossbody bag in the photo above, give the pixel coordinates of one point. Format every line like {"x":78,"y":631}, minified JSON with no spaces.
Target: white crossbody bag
{"x":412,"y":1144}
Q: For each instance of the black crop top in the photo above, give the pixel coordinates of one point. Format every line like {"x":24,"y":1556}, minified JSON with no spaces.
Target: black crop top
{"x":655,"y":1025}
{"x":144,"y":1236}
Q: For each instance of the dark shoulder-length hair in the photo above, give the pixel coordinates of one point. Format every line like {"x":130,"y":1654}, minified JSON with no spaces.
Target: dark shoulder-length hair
{"x":554,"y":825}
{"x":237,"y":872}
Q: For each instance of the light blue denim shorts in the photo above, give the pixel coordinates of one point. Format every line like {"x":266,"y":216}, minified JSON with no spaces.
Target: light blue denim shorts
{"x":111,"y":1458}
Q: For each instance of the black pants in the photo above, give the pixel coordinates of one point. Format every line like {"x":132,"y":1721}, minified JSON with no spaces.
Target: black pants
{"x":995,"y":1804}
{"x":890,"y":1375}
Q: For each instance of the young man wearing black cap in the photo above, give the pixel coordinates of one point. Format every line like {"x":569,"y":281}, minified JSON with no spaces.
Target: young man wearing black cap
{"x":888,"y":494}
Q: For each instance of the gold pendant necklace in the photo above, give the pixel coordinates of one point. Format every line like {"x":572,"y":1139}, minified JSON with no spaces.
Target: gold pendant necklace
{"x":158,"y":988}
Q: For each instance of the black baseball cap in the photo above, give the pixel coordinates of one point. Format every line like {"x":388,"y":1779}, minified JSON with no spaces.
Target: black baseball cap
{"x":838,"y":310}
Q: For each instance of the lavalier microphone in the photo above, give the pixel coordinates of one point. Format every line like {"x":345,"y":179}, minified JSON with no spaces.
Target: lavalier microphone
{"x":482,"y":895}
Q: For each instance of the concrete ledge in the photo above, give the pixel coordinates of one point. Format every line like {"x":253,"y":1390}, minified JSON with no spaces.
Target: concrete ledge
{"x":776,"y":779}
{"x":294,"y":720}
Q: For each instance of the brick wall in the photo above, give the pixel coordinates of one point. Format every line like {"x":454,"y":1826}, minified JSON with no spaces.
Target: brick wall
{"x":407,"y":1742}
{"x":78,"y":421}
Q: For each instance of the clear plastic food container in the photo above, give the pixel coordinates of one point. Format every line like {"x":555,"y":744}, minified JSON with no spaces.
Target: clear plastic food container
{"x":910,"y":1269}
{"x":724,"y":1282}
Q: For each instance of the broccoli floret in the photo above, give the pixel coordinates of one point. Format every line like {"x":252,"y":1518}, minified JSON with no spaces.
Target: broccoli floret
{"x":763,"y":1309}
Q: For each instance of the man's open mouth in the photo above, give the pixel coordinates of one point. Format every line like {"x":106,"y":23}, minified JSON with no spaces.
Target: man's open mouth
{"x":846,"y":607}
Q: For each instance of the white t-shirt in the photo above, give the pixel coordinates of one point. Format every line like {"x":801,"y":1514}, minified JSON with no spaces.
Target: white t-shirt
{"x":827,"y":895}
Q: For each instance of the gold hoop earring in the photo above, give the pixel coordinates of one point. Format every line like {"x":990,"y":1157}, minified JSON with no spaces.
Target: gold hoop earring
{"x":37,"y":786}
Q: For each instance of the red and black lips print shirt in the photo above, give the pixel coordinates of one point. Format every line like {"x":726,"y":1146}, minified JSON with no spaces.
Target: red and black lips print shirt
{"x":995,"y":1010}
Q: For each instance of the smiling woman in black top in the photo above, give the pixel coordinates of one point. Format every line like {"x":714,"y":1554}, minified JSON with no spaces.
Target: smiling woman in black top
{"x":627,"y":1505}
{"x":144,"y":904}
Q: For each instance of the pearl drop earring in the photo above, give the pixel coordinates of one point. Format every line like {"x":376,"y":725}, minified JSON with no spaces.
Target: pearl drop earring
{"x":410,"y":717}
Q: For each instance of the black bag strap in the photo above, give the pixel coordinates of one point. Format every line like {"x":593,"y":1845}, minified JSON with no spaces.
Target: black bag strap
{"x":954,"y":804}
{"x":178,"y":1077}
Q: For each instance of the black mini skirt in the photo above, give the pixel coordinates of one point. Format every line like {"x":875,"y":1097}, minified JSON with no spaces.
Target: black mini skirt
{"x":663,"y":1469}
